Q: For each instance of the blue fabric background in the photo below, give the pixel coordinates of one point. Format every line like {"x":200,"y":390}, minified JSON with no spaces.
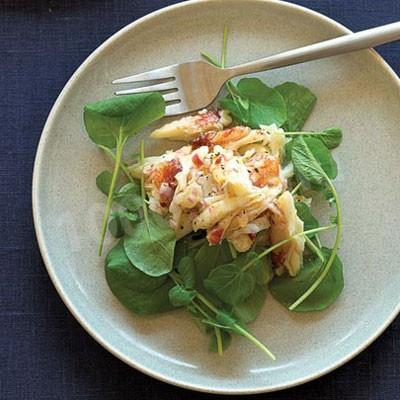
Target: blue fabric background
{"x":44,"y":352}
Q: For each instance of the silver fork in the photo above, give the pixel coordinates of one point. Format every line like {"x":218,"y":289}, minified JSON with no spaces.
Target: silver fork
{"x":194,"y":85}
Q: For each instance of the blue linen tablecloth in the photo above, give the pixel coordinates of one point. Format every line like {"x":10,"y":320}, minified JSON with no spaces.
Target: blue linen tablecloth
{"x":44,"y":352}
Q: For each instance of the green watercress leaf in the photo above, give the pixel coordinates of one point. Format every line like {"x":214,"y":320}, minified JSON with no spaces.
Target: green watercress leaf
{"x":287,"y":290}
{"x":187,"y":272}
{"x":137,"y":291}
{"x":145,"y":303}
{"x":259,"y":104}
{"x":122,"y":271}
{"x":312,"y":160}
{"x":300,"y":102}
{"x":304,"y":213}
{"x":188,"y":246}
{"x":208,"y":257}
{"x":249,"y":309}
{"x":115,"y":227}
{"x":122,"y":222}
{"x":288,"y":150}
{"x":331,"y":137}
{"x":129,"y":196}
{"x":238,"y":107}
{"x":230,"y":283}
{"x":103,"y":181}
{"x":106,"y":120}
{"x":261,"y":270}
{"x":179,"y":296}
{"x":225,"y":319}
{"x":151,"y":247}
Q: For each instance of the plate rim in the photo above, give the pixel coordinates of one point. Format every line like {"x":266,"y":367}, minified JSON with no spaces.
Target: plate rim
{"x":44,"y":251}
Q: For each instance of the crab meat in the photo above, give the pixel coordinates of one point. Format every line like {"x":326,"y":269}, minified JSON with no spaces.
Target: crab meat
{"x":275,"y":139}
{"x":230,"y":135}
{"x":164,"y":173}
{"x":286,"y":223}
{"x":215,"y":235}
{"x":266,"y":172}
{"x":190,"y":196}
{"x":219,"y":210}
{"x":188,"y":128}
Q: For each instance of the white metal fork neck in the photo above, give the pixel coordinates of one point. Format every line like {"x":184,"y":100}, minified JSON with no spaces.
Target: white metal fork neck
{"x":343,"y":44}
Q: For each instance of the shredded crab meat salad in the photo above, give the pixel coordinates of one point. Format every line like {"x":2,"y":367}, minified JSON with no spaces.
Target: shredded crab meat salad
{"x":228,"y":182}
{"x":225,"y":217}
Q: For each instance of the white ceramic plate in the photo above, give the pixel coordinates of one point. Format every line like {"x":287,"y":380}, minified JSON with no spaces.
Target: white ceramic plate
{"x":359,"y":92}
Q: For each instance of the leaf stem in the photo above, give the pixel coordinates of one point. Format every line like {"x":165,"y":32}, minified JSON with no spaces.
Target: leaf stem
{"x":217,"y":330}
{"x":282,"y":242}
{"x":207,"y":303}
{"x":143,"y":192}
{"x":219,"y":341}
{"x":314,"y":248}
{"x":175,"y":277}
{"x":229,"y":85}
{"x":210,"y":322}
{"x":237,"y":327}
{"x":232,"y":250}
{"x":331,"y":259}
{"x":224,"y":47}
{"x":254,"y":340}
{"x":210,"y":59}
{"x":177,"y":280}
{"x":201,"y":311}
{"x":123,"y":166}
{"x":295,"y":189}
{"x":306,"y":133}
{"x":121,"y":140}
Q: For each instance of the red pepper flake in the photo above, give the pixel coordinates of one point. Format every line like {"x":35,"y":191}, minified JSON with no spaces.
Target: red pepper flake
{"x":278,"y":259}
{"x":230,"y":135}
{"x":219,"y":159}
{"x":165,"y":172}
{"x":214,"y":235}
{"x":166,"y":194}
{"x":203,"y":140}
{"x":210,"y":117}
{"x":267,"y":174}
{"x":197,"y":161}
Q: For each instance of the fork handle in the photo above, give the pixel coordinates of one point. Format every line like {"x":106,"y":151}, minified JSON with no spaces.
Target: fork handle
{"x":343,"y":44}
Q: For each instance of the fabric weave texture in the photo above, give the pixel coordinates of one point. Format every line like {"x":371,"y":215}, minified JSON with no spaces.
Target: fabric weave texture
{"x":44,"y":352}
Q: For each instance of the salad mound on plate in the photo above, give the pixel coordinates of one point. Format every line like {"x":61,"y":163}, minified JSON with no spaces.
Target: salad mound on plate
{"x":227,"y":182}
{"x":215,"y":224}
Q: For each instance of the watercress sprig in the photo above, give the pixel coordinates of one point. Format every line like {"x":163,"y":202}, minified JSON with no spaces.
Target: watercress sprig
{"x":241,"y":104}
{"x":121,"y":140}
{"x":331,"y":137}
{"x":150,"y":272}
{"x":312,"y":160}
{"x":110,"y":123}
{"x":230,"y":323}
{"x":179,"y":294}
{"x":124,"y":168}
{"x":331,"y":259}
{"x":235,"y":281}
{"x":150,"y":246}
